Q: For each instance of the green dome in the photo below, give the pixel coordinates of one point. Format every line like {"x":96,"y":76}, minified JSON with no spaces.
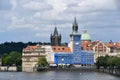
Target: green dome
{"x":85,"y":36}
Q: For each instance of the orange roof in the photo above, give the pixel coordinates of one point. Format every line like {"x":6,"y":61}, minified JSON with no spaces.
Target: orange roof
{"x":118,"y":44}
{"x":61,"y":49}
{"x":110,"y":45}
{"x":88,"y":45}
{"x":29,"y":48}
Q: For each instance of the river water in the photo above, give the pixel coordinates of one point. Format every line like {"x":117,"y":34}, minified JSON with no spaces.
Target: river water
{"x":57,"y":75}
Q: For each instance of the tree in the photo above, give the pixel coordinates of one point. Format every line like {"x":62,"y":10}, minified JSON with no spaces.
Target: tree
{"x":13,"y":58}
{"x":42,"y":62}
{"x":117,"y":63}
{"x":102,"y":61}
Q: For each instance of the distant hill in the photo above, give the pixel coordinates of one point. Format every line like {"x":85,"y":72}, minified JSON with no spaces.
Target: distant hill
{"x":7,"y":47}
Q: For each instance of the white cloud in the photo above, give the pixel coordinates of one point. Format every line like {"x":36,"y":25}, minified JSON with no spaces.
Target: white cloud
{"x":91,"y":6}
{"x":42,"y":35}
{"x":5,"y":5}
{"x":19,"y":23}
{"x":35,"y":5}
{"x":40,"y":16}
{"x":14,"y":3}
{"x":97,"y":5}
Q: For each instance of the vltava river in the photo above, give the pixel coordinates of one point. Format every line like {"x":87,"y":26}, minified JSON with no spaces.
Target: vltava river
{"x":57,"y":75}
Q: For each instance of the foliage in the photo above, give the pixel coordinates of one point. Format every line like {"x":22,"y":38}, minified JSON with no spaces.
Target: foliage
{"x":42,"y":62}
{"x":108,"y":62}
{"x":14,"y":58}
{"x":8,"y":47}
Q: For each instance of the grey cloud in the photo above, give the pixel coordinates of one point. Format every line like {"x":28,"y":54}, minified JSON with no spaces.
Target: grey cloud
{"x":5,"y":5}
{"x":118,"y":4}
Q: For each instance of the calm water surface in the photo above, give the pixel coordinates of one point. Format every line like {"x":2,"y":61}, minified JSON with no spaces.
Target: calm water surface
{"x":57,"y":75}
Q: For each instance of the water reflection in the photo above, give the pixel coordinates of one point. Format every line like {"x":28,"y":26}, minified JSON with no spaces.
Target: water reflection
{"x":57,"y":75}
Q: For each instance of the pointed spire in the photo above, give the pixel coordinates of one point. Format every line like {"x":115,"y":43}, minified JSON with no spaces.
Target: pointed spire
{"x":75,"y":26}
{"x":75,"y":20}
{"x":55,"y":31}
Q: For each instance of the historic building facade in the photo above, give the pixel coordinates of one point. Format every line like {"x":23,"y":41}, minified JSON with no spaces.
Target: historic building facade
{"x":76,"y":56}
{"x":98,"y":47}
{"x":30,"y":57}
{"x":57,"y":54}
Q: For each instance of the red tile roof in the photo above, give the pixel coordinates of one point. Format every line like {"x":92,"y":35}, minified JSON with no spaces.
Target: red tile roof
{"x":61,"y":49}
{"x":29,"y":48}
{"x":118,"y":44}
{"x":110,"y":45}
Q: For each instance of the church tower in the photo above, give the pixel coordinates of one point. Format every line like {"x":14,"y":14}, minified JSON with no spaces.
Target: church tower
{"x":75,"y":43}
{"x":55,"y":38}
{"x":73,"y":34}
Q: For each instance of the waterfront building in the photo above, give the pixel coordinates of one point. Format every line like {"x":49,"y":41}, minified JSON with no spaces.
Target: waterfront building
{"x":76,"y":56}
{"x":57,"y":54}
{"x":49,"y":54}
{"x":30,"y":57}
{"x":100,"y":49}
{"x":62,"y":55}
{"x":55,"y":38}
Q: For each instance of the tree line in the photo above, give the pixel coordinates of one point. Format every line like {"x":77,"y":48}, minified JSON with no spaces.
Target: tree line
{"x":108,"y":62}
{"x":8,"y":47}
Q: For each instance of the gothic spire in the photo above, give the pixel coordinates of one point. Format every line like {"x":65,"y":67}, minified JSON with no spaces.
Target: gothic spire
{"x":55,"y":31}
{"x":75,"y":26}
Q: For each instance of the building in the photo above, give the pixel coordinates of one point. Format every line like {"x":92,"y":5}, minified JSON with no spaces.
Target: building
{"x":76,"y":56}
{"x":98,"y":47}
{"x":55,"y":38}
{"x":57,"y":54}
{"x":86,"y":41}
{"x":30,"y":57}
{"x":85,"y":37}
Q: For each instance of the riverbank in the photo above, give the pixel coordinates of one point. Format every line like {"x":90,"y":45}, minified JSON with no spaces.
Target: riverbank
{"x":114,"y":72}
{"x":110,"y":71}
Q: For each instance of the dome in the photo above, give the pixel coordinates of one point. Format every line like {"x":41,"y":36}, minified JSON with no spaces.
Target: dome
{"x":85,"y":36}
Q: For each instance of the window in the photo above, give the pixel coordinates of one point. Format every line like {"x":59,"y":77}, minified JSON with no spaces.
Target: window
{"x":63,"y":48}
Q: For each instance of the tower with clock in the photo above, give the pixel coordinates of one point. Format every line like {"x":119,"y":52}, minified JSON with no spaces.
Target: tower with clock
{"x":75,"y":43}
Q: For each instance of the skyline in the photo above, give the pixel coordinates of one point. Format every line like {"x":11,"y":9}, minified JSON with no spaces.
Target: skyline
{"x":28,"y":20}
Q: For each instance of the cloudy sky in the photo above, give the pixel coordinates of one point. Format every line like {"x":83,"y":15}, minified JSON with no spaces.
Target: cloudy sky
{"x":34,"y":20}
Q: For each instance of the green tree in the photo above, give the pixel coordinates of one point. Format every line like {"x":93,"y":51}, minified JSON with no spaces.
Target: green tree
{"x":42,"y":62}
{"x":102,"y":61}
{"x":117,"y":63}
{"x":14,"y":58}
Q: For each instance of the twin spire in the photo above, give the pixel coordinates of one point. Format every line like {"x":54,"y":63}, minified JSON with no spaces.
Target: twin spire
{"x":74,"y":28}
